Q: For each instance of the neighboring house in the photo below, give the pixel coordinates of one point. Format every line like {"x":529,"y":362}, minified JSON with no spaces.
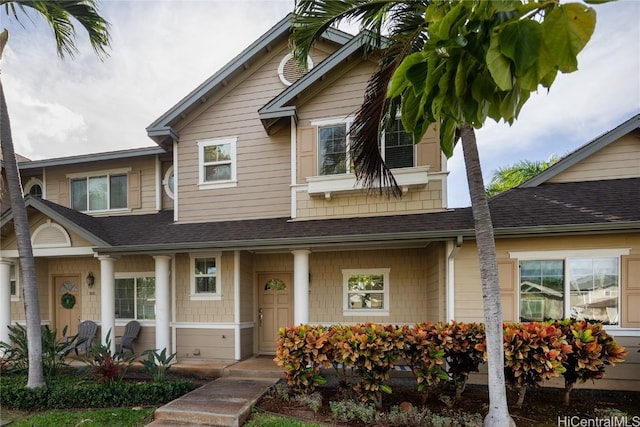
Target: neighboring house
{"x":246,"y":217}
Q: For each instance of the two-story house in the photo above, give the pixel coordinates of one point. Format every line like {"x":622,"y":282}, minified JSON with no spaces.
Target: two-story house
{"x":246,"y":216}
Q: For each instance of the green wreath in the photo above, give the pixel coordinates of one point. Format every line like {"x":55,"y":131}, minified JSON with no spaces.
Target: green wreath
{"x":68,"y":300}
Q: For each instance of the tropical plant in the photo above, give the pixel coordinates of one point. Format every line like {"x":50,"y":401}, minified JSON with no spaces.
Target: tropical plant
{"x":157,"y":364}
{"x":454,"y":64}
{"x":59,"y":14}
{"x":107,"y":366}
{"x":508,"y":177}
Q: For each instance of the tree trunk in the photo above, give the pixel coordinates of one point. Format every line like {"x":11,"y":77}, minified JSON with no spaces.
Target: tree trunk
{"x":25,"y":251}
{"x":498,"y":415}
{"x":568,"y":386}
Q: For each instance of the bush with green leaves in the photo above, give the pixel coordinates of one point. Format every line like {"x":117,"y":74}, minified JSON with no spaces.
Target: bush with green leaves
{"x":71,"y":392}
{"x":350,"y":410}
{"x":54,"y":350}
{"x":157,"y":364}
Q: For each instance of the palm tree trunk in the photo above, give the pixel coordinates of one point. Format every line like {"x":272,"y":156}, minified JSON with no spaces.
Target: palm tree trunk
{"x":25,"y":251}
{"x":498,"y":415}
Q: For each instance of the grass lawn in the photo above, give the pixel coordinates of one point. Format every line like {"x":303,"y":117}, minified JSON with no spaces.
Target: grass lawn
{"x":116,"y":417}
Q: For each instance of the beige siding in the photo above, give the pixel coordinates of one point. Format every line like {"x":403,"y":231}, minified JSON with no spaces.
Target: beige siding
{"x":44,"y":291}
{"x":204,"y":311}
{"x":246,"y":287}
{"x":468,"y":290}
{"x":9,"y":242}
{"x":436,"y":265}
{"x":263,"y":162}
{"x":141,"y":181}
{"x":407,"y":287}
{"x":620,"y":159}
{"x":363,"y":204}
{"x":195,"y":343}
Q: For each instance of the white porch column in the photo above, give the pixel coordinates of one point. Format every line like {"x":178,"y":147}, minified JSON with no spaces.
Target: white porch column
{"x":108,"y":300}
{"x":5,"y":299}
{"x":163,"y":331}
{"x":300,"y":286}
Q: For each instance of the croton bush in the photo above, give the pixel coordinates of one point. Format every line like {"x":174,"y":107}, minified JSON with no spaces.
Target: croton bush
{"x":365,"y":354}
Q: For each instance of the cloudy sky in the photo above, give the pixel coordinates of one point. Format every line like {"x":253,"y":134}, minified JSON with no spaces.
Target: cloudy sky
{"x":161,"y":50}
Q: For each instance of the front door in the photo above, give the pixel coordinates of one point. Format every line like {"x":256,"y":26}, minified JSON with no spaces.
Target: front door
{"x":68,"y":303}
{"x":274,"y":308}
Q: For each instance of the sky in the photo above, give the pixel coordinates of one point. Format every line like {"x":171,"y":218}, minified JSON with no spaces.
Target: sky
{"x":162,"y":50}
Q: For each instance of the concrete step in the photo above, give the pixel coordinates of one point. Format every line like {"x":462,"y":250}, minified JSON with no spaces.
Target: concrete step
{"x":224,"y":402}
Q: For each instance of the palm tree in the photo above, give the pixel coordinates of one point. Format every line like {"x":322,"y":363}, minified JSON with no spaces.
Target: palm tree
{"x":59,"y":14}
{"x":507,"y":177}
{"x":472,"y":59}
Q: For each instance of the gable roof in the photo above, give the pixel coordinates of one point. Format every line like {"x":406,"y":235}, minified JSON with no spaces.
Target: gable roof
{"x":161,"y":130}
{"x":585,"y":151}
{"x":94,"y":157}
{"x":280,"y":107}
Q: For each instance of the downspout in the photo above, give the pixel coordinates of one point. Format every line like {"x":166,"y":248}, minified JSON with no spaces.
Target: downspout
{"x":294,"y":166}
{"x":452,"y":249}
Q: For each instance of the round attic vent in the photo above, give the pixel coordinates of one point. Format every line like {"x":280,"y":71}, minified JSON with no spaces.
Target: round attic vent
{"x":290,"y":71}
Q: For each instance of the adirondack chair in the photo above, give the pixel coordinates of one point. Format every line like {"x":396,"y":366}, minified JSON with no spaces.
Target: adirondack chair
{"x":86,"y":332}
{"x":131,"y":331}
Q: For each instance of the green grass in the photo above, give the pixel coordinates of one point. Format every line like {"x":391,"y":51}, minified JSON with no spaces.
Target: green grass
{"x":259,"y":419}
{"x":116,"y":417}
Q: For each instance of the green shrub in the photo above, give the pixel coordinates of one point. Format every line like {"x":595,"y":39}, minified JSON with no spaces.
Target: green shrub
{"x":424,"y":352}
{"x":157,"y":364}
{"x":67,"y":392}
{"x":465,"y":350}
{"x":106,"y":366}
{"x":350,"y":410}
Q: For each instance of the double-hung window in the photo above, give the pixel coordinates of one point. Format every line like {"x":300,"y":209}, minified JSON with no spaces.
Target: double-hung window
{"x":397,"y":146}
{"x":99,"y":193}
{"x":135,"y":296}
{"x":217,"y":160}
{"x":205,"y":276}
{"x":366,"y":292}
{"x":580,"y":287}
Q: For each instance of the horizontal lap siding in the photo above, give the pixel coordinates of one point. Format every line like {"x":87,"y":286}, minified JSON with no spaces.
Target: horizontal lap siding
{"x":210,"y":343}
{"x":620,"y":159}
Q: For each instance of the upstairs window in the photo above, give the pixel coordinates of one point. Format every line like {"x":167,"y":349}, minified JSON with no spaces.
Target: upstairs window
{"x":99,"y":193}
{"x":333,"y":149}
{"x":397,"y":146}
{"x":217,"y":159}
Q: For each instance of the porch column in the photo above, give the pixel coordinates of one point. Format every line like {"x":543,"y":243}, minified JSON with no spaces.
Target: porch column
{"x":5,"y":299}
{"x":163,"y":331}
{"x":108,"y":300}
{"x":300,"y":286}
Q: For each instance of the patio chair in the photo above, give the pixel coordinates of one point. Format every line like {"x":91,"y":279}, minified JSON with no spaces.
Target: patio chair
{"x":131,"y":331}
{"x":86,"y":332}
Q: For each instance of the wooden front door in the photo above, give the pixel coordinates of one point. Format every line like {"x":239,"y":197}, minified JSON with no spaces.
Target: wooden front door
{"x":275,"y":294}
{"x":67,"y":314}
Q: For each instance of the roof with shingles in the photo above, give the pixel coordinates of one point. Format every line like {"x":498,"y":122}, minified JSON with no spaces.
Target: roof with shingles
{"x":609,"y":205}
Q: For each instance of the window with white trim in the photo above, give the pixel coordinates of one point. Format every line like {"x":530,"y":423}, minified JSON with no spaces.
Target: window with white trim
{"x":169,"y":182}
{"x":205,"y":276}
{"x":366,"y":292}
{"x":13,"y":280}
{"x":99,"y":193}
{"x":135,"y":296}
{"x":577,"y":287}
{"x":334,"y":143}
{"x":217,"y":160}
{"x":34,"y":187}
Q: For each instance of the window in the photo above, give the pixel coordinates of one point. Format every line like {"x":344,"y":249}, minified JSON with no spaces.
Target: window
{"x":34,"y":187}
{"x":217,"y":160}
{"x":13,"y":279}
{"x":332,"y":149}
{"x":135,"y":297}
{"x":205,"y":274}
{"x":366,"y":292}
{"x":98,"y":193}
{"x":169,"y":182}
{"x":397,"y":146}
{"x":576,"y":287}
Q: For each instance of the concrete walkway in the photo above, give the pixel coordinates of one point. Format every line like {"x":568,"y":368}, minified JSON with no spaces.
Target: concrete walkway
{"x":226,"y":401}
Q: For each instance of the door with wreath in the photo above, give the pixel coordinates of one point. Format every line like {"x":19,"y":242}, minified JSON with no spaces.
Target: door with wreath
{"x":68,"y":303}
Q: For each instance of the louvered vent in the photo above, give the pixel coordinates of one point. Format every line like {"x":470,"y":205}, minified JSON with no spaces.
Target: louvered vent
{"x":290,"y":71}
